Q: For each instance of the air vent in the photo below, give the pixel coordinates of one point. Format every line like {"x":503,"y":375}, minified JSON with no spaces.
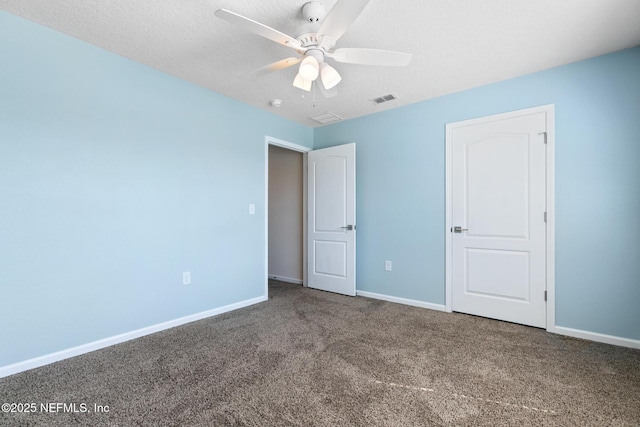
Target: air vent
{"x":385,"y":98}
{"x":326,"y":118}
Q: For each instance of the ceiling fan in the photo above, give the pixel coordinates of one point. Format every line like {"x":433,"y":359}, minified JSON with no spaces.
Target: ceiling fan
{"x":316,"y":41}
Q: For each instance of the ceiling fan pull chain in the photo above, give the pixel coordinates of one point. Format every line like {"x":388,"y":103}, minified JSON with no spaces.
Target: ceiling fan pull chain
{"x":314,"y":93}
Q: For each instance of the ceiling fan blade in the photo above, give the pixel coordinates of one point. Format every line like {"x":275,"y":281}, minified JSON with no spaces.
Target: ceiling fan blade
{"x":257,"y":28}
{"x":371,"y":57}
{"x":338,"y":21}
{"x":276,"y":66}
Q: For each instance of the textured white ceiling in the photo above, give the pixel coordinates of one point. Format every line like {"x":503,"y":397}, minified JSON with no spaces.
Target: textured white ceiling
{"x":456,"y":44}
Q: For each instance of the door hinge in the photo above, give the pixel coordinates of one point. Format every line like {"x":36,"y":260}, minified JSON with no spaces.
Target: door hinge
{"x":545,"y":295}
{"x":545,"y":136}
{"x":545,"y":217}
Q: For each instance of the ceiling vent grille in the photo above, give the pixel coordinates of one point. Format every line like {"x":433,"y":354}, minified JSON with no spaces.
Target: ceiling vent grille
{"x":326,"y":118}
{"x":385,"y":98}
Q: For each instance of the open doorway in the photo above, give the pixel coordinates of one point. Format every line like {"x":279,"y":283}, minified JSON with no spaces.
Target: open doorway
{"x":285,"y":215}
{"x":285,"y":201}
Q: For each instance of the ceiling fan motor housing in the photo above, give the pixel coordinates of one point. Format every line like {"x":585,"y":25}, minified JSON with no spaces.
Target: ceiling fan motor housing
{"x":313,"y":11}
{"x":308,"y":37}
{"x":316,"y":53}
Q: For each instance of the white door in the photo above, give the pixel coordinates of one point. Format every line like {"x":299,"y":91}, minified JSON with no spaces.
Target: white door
{"x":331,"y":192}
{"x":498,"y":196}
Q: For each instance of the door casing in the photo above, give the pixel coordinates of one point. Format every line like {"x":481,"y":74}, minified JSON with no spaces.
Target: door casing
{"x":550,"y":203}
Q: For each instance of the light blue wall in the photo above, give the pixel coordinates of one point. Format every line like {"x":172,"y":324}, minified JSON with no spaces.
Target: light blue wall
{"x":114,"y":179}
{"x":401,"y":188}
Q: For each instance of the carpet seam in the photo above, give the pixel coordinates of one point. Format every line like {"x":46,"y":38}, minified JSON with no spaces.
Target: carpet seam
{"x":463,"y":396}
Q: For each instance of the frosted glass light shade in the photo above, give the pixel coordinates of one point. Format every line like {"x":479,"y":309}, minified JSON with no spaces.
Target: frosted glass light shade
{"x":302,"y":83}
{"x":329,"y":76}
{"x":309,"y":68}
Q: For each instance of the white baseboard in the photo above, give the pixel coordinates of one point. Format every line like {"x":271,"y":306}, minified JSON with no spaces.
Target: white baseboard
{"x":285,"y":279}
{"x":36,"y":362}
{"x":405,"y":301}
{"x":576,"y":333}
{"x":594,"y":336}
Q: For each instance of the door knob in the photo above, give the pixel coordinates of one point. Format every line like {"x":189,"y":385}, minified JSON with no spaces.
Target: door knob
{"x":459,"y":229}
{"x":349,"y":227}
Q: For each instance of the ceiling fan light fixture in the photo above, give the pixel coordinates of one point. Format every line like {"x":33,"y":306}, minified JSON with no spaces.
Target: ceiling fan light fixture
{"x":301,"y":83}
{"x":315,"y":42}
{"x":309,"y":68}
{"x":329,"y":75}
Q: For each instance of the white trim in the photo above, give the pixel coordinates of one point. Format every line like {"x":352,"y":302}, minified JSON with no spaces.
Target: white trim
{"x":286,"y":144}
{"x":269,"y":140}
{"x":305,"y":221}
{"x":285,"y":279}
{"x":36,"y":362}
{"x":594,"y":336}
{"x":405,"y":301}
{"x":549,"y":109}
{"x":448,"y":223}
{"x":551,"y":216}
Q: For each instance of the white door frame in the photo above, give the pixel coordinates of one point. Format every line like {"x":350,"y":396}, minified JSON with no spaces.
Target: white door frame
{"x":268,"y":140}
{"x":550,"y":202}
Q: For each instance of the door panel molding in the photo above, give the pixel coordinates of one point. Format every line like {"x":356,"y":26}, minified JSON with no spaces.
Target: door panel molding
{"x":550,"y":203}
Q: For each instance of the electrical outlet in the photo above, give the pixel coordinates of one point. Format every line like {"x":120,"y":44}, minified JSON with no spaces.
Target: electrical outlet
{"x":186,"y":278}
{"x":388,"y":265}
{"x":252,"y":209}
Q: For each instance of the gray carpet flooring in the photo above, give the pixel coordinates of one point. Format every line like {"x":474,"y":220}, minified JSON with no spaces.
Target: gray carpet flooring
{"x":311,"y":358}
